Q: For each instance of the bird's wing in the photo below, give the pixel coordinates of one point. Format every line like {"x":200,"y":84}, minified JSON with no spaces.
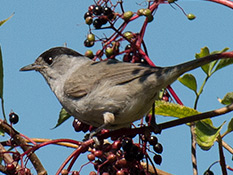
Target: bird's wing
{"x":84,"y":79}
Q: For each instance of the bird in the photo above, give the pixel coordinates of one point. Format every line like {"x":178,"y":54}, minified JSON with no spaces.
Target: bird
{"x":107,"y":94}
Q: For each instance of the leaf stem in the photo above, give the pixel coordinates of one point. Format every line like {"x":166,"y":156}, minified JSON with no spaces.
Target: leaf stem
{"x":200,"y":91}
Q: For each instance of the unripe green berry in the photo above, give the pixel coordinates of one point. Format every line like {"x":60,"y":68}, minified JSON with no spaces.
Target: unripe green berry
{"x":127,"y":15}
{"x":147,"y":12}
{"x":91,"y":37}
{"x":89,"y":54}
{"x":171,"y":1}
{"x":191,"y":16}
{"x":128,"y":35}
{"x":140,"y":12}
{"x":109,"y":51}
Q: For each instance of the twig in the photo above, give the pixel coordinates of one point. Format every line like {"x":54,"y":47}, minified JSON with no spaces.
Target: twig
{"x":193,"y":148}
{"x":227,"y":147}
{"x":221,"y":155}
{"x":23,"y":144}
{"x":39,"y":140}
{"x":224,"y":2}
{"x":197,"y":117}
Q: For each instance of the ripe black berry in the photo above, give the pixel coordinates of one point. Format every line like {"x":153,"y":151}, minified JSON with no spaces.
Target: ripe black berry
{"x":153,"y":140}
{"x":88,"y":43}
{"x":13,"y":117}
{"x":75,"y":173}
{"x":129,"y":156}
{"x":97,"y":23}
{"x":127,"y":144}
{"x":107,"y":11}
{"x":87,"y":14}
{"x":208,"y":172}
{"x":139,"y":156}
{"x":158,"y":148}
{"x":103,"y":20}
{"x":157,"y":159}
{"x":16,"y":156}
{"x":128,"y":47}
{"x":97,"y":10}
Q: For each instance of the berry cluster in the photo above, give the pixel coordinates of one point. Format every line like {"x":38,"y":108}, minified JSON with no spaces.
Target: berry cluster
{"x":123,"y":156}
{"x":12,"y":168}
{"x":104,"y":12}
{"x":105,"y":15}
{"x":98,"y":15}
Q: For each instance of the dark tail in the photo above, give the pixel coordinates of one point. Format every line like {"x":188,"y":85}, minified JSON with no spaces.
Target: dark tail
{"x":173,"y":72}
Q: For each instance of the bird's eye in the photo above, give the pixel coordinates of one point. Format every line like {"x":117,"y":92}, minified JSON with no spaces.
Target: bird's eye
{"x":49,"y":60}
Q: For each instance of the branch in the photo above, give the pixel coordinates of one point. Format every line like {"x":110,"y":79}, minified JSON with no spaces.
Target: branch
{"x":227,"y":147}
{"x":39,"y":140}
{"x":197,"y":117}
{"x":221,"y":155}
{"x":224,"y":2}
{"x":23,"y":144}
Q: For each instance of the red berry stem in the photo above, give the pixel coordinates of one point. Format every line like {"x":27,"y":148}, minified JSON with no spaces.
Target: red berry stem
{"x":227,"y":3}
{"x":75,"y":155}
{"x":30,"y":140}
{"x":37,"y":146}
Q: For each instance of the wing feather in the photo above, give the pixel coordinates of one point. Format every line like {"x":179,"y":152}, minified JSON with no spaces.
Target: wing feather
{"x":84,"y":79}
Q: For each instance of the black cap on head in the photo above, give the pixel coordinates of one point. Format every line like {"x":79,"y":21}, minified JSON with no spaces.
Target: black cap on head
{"x":50,"y":54}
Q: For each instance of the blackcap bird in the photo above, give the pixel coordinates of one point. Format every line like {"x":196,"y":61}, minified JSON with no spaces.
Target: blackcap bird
{"x":106,"y":94}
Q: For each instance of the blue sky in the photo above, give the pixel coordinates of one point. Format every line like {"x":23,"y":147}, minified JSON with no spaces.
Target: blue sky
{"x":171,"y":39}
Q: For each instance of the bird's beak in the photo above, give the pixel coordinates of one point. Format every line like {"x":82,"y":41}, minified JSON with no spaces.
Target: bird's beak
{"x":29,"y":67}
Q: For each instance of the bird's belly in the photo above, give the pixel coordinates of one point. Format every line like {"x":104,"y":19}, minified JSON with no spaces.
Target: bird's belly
{"x":126,"y":105}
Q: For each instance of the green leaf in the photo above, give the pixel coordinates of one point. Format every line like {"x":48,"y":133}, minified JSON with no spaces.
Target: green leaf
{"x":189,"y":81}
{"x":230,"y":126}
{"x":208,"y":68}
{"x":204,"y":52}
{"x":206,"y":134}
{"x":227,"y":99}
{"x":63,"y":116}
{"x":173,"y":110}
{"x":223,"y":63}
{"x":1,"y":75}
{"x":5,"y":20}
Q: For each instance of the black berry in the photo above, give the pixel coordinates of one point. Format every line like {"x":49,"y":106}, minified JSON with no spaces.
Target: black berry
{"x":97,"y":10}
{"x":129,"y":156}
{"x":127,"y":144}
{"x":87,"y":14}
{"x":88,"y":43}
{"x":158,"y":148}
{"x":153,"y":140}
{"x":157,"y":159}
{"x":128,"y":47}
{"x":139,"y":156}
{"x":208,"y":172}
{"x":13,"y":117}
{"x":107,"y":11}
{"x":97,"y":23}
